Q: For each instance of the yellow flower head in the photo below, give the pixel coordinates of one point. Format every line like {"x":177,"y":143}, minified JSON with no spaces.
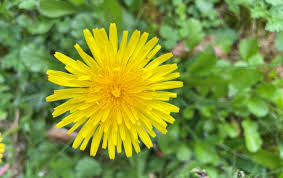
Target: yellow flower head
{"x":117,"y":94}
{"x":2,"y":148}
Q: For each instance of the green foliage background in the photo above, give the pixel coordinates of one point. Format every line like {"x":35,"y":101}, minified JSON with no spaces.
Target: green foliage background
{"x":231,"y":119}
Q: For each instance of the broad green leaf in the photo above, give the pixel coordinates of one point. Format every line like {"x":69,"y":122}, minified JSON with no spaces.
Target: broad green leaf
{"x":252,"y":138}
{"x":266,"y":159}
{"x":256,"y":60}
{"x":244,"y":77}
{"x":206,"y":153}
{"x":203,"y":63}
{"x":231,"y":130}
{"x":279,"y":41}
{"x":77,"y":2}
{"x":278,"y":98}
{"x":196,"y":33}
{"x":266,"y":90}
{"x":168,"y":142}
{"x":277,"y":60}
{"x":27,"y":4}
{"x":248,"y":47}
{"x":258,"y":107}
{"x":112,"y":11}
{"x":184,"y":153}
{"x":56,"y":8}
{"x":88,"y":167}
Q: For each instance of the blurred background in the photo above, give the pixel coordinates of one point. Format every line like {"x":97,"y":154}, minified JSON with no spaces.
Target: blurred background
{"x":229,"y":53}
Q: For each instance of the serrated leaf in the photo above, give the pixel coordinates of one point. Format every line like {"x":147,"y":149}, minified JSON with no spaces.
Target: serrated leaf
{"x":56,"y":8}
{"x":252,"y":138}
{"x":37,"y":59}
{"x":275,"y":19}
{"x":41,"y":26}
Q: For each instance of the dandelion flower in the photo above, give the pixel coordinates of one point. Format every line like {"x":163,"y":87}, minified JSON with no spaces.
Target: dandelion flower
{"x":2,"y":148}
{"x":117,"y":95}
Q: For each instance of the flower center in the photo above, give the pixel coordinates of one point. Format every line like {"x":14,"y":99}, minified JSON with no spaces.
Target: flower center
{"x":116,"y":92}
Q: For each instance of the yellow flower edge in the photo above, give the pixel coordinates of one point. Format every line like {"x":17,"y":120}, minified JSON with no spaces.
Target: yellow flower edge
{"x":117,"y":96}
{"x":2,"y":147}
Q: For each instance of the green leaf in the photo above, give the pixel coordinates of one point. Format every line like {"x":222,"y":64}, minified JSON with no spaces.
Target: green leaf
{"x":278,"y":98}
{"x":275,"y":2}
{"x":266,"y":90}
{"x":188,"y":113}
{"x":252,"y":138}
{"x":243,"y":78}
{"x":204,"y":6}
{"x":258,"y":107}
{"x":225,"y":38}
{"x":88,"y":167}
{"x":279,"y":41}
{"x":27,"y":4}
{"x":256,"y":60}
{"x":184,"y":153}
{"x":231,"y":130}
{"x":128,"y":2}
{"x":37,"y":59}
{"x":248,"y":47}
{"x":170,"y":35}
{"x":77,"y":2}
{"x":206,"y":153}
{"x":195,"y":32}
{"x":203,"y":63}
{"x":112,"y":11}
{"x":266,"y":159}
{"x":9,"y":34}
{"x":56,"y":8}
{"x":277,"y":60}
{"x":275,"y":19}
{"x":41,"y":26}
{"x":167,"y":143}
